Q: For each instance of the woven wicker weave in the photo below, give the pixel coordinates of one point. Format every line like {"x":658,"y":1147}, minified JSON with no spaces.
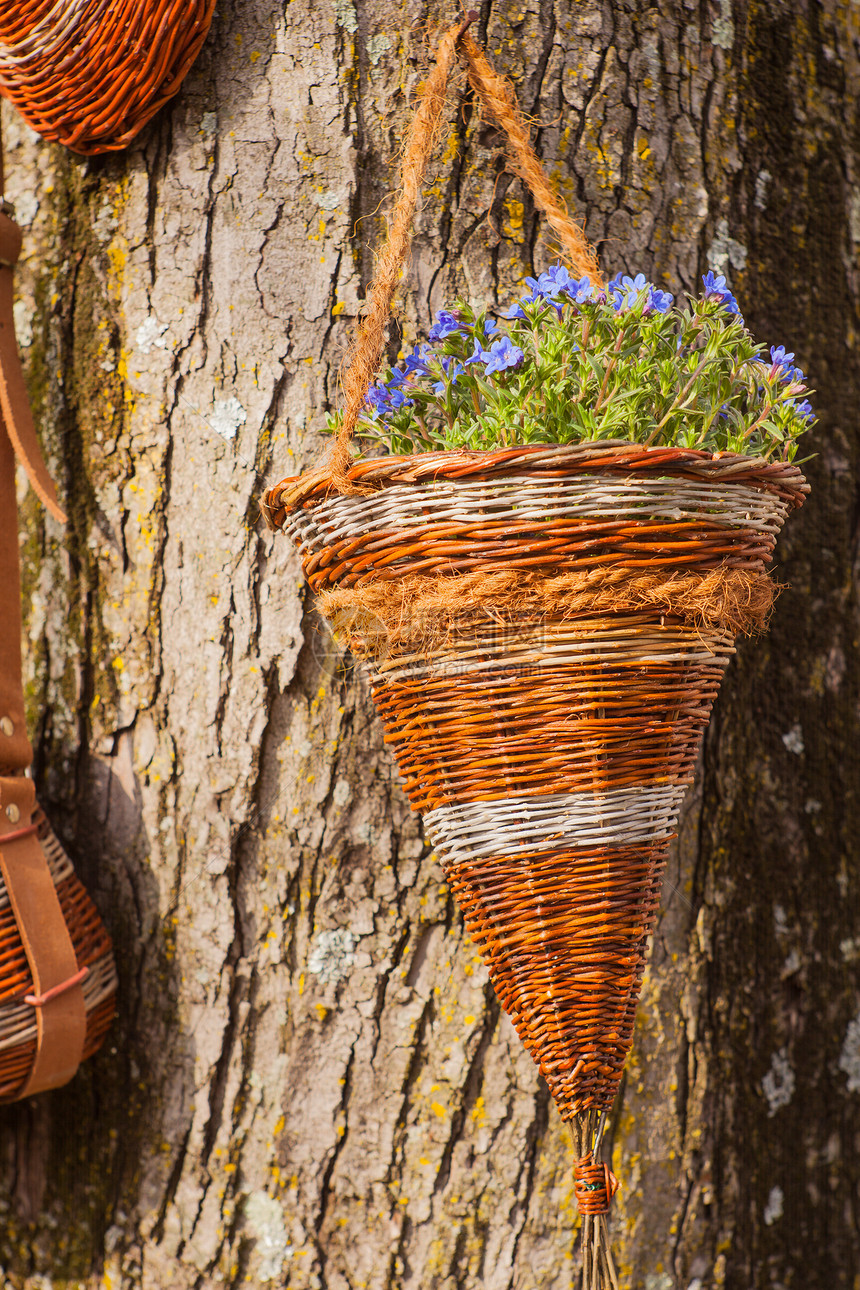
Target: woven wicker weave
{"x":91,"y":73}
{"x":548,"y":753}
{"x":92,"y":949}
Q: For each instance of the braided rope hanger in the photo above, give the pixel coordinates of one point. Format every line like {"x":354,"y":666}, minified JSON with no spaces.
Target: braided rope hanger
{"x":91,"y":73}
{"x":499,"y":101}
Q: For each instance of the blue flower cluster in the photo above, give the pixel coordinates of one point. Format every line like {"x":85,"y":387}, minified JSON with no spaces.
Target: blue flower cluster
{"x":577,"y":361}
{"x":716,"y":289}
{"x":502,"y":355}
{"x":553,"y":287}
{"x":624,"y":292}
{"x":782,"y":366}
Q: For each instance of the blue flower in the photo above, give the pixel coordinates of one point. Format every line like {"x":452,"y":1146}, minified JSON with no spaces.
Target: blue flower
{"x":580,"y":291}
{"x":490,"y":326}
{"x":715,"y":285}
{"x":478,"y":355}
{"x":779,"y":357}
{"x":804,"y":410}
{"x":377,"y":397}
{"x":662,"y":301}
{"x":397,"y":399}
{"x":554,"y":281}
{"x":515,"y":311}
{"x":452,"y":370}
{"x":782,"y":365}
{"x":446,"y":324}
{"x":634,"y":285}
{"x":615,"y":291}
{"x":417,"y":361}
{"x":716,"y":289}
{"x":502,"y":355}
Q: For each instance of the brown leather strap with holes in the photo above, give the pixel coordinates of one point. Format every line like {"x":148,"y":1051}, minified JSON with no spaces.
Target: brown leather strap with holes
{"x":61,"y":1019}
{"x":57,"y":994}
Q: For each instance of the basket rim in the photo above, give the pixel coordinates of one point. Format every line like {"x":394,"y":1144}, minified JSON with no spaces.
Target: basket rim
{"x":548,"y":461}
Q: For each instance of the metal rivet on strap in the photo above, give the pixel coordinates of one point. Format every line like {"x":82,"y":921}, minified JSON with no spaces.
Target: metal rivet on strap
{"x":6,"y":727}
{"x":13,"y":815}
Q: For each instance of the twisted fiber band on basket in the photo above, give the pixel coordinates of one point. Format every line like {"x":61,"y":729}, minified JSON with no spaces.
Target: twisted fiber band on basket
{"x":90,"y":73}
{"x":427,"y":611}
{"x":92,"y":949}
{"x":545,"y":631}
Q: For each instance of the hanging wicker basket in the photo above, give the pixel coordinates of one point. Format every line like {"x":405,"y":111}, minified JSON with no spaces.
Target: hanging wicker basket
{"x":545,"y":630}
{"x":91,"y":73}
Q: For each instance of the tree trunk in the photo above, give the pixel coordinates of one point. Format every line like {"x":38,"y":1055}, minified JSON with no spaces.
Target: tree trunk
{"x":309,"y":1083}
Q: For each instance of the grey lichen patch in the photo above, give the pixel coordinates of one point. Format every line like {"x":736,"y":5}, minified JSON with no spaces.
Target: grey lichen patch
{"x":726,"y":253}
{"x":346,"y":15}
{"x":266,"y":1221}
{"x":376,"y":47}
{"x":723,"y":35}
{"x":23,"y":315}
{"x":793,"y":740}
{"x":774,"y":1207}
{"x":332,"y":956}
{"x":849,"y":1058}
{"x":778,"y":1084}
{"x":228,"y":415}
{"x":762,"y":181}
{"x":150,"y":335}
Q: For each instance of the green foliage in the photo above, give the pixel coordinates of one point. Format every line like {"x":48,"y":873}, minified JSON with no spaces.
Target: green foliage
{"x":572,"y":364}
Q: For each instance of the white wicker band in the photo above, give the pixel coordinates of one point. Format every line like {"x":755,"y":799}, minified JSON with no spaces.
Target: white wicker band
{"x":503,"y":827}
{"x":523,"y":500}
{"x":550,"y":645}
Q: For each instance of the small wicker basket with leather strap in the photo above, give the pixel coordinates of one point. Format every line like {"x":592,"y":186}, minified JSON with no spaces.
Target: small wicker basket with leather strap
{"x":57,"y":974}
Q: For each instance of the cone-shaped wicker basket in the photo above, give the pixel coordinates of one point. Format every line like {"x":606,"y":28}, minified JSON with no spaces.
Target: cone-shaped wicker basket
{"x":545,"y":629}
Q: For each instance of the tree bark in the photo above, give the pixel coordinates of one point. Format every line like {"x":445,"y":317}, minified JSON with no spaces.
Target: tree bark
{"x":309,"y":1083}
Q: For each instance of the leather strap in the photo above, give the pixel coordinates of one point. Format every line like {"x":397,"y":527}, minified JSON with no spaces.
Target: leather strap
{"x":14,"y":403}
{"x":15,"y":751}
{"x":61,"y":1021}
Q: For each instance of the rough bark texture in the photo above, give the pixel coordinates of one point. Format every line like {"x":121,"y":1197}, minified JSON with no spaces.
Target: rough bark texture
{"x":309,"y":1083}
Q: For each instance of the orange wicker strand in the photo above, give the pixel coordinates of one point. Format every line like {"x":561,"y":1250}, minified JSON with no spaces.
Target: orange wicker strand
{"x":91,"y":74}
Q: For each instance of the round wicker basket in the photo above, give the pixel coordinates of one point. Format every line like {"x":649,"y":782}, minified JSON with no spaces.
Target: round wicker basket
{"x":545,"y":630}
{"x":90,"y":73}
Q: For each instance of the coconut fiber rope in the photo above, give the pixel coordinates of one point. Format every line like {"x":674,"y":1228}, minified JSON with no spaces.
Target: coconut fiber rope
{"x":90,"y":73}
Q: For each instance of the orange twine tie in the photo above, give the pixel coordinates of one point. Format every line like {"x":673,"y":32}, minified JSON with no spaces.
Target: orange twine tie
{"x":595,"y":1185}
